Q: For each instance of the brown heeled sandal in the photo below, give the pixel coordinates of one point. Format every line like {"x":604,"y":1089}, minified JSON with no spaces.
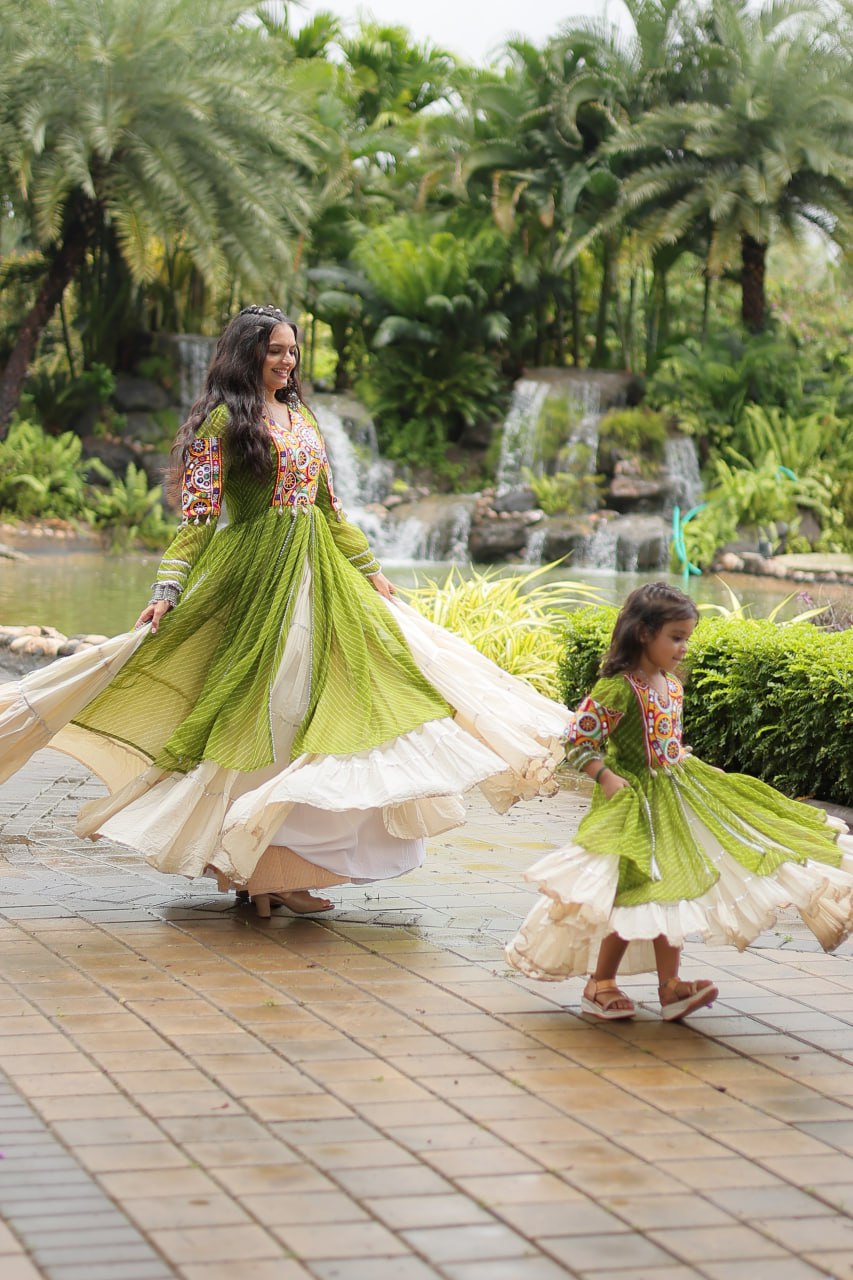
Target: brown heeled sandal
{"x":699,"y":995}
{"x":603,"y":1009}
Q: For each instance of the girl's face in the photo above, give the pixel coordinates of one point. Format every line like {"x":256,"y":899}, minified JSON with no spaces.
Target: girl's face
{"x":667,"y":647}
{"x":280,"y":360}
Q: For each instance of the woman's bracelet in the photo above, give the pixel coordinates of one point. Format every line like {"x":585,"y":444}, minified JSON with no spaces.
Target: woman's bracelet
{"x":600,"y":770}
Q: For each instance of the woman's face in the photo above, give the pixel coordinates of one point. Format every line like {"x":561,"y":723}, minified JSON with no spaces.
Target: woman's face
{"x":280,"y":360}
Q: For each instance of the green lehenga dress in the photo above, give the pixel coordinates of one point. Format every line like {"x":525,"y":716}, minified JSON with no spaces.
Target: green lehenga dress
{"x":683,"y":850}
{"x":287,"y":726}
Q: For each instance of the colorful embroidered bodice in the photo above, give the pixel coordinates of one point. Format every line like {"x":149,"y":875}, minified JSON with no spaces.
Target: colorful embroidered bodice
{"x":300,"y":458}
{"x":627,"y":720}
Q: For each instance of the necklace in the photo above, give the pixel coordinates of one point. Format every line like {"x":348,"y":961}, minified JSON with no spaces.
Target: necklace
{"x":273,"y":407}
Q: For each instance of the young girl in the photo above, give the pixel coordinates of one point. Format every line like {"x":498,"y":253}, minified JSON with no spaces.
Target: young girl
{"x":671,"y":846}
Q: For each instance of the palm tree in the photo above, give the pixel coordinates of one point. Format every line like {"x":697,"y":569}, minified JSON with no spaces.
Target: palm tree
{"x":619,"y":75}
{"x":762,"y":149}
{"x":146,"y":123}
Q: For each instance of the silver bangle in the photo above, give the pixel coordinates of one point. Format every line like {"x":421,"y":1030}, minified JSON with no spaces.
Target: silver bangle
{"x":168,"y":591}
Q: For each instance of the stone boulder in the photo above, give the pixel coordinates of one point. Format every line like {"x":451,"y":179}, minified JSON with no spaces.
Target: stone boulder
{"x":114,"y":454}
{"x":642,"y":542}
{"x":430,"y":528}
{"x":565,"y":536}
{"x":642,"y":494}
{"x":520,"y":498}
{"x":148,"y":430}
{"x":493,"y":540}
{"x":158,"y":469}
{"x":138,"y":395}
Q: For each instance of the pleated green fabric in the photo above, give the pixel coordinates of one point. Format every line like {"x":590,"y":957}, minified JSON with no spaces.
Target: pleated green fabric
{"x":200,"y":689}
{"x":655,"y":824}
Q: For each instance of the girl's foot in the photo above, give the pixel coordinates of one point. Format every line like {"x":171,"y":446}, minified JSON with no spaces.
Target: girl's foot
{"x":678,"y":998}
{"x":602,"y":999}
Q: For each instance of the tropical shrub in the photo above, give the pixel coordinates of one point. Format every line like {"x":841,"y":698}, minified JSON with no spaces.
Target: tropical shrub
{"x":771,"y":700}
{"x":705,"y":534}
{"x":417,"y":399}
{"x":129,"y":511}
{"x":776,"y":702}
{"x":585,"y":637}
{"x":634,"y":431}
{"x":426,"y":300}
{"x":42,"y":476}
{"x":707,"y":387}
{"x":515,"y":621}
{"x":61,"y":402}
{"x":565,"y":491}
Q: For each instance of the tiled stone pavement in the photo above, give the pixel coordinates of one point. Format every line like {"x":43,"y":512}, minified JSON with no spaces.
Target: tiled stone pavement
{"x":373,"y":1095}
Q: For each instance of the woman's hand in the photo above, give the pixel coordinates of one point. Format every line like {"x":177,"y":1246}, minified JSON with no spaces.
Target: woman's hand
{"x":382,"y":585}
{"x":152,"y":613}
{"x":611,"y":782}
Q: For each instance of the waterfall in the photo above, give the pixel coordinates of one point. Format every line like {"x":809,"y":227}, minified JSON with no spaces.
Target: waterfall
{"x":599,"y":550}
{"x":460,"y":530}
{"x":360,"y":477}
{"x":580,"y":451}
{"x":682,"y":464}
{"x":194,"y":353}
{"x":578,"y":401}
{"x":535,"y":548}
{"x":347,"y":473}
{"x":518,"y":441}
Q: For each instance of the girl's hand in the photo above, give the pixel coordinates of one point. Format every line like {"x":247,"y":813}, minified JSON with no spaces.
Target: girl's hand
{"x":152,"y":613}
{"x":383,"y":586}
{"x":611,"y":782}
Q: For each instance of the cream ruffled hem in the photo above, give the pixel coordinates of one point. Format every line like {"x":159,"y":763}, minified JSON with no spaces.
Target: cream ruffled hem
{"x":504,"y":738}
{"x":186,"y":822}
{"x":523,"y":728}
{"x":561,"y":935}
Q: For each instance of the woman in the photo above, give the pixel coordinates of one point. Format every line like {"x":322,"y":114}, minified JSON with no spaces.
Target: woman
{"x":277,"y":716}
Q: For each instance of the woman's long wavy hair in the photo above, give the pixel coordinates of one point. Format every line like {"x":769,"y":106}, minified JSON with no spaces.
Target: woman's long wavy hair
{"x":235,"y":379}
{"x":640,"y":619}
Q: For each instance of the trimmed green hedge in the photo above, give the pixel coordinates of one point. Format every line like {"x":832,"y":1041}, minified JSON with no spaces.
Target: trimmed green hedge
{"x":775,"y":702}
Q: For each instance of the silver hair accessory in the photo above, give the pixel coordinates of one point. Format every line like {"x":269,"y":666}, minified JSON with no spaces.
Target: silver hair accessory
{"x":274,"y":313}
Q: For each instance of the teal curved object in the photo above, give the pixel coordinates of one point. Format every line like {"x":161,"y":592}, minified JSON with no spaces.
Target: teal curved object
{"x":678,"y":523}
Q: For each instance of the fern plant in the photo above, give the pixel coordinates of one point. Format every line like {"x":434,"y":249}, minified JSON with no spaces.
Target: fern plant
{"x":43,"y":476}
{"x":565,"y":491}
{"x":130,"y":511}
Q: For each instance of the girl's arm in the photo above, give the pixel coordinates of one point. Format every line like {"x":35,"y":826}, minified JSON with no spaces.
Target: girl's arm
{"x":609,"y":781}
{"x":595,"y":721}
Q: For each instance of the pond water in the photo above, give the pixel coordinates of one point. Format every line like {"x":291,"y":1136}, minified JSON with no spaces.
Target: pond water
{"x":85,"y":590}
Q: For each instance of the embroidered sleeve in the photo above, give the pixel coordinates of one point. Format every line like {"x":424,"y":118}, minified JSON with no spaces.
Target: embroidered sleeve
{"x":588,"y":733}
{"x":201,"y":503}
{"x":348,"y":538}
{"x":201,"y":488}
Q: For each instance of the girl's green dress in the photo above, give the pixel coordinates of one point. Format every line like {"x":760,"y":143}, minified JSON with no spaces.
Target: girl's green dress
{"x":283,"y":702}
{"x":684,"y":849}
